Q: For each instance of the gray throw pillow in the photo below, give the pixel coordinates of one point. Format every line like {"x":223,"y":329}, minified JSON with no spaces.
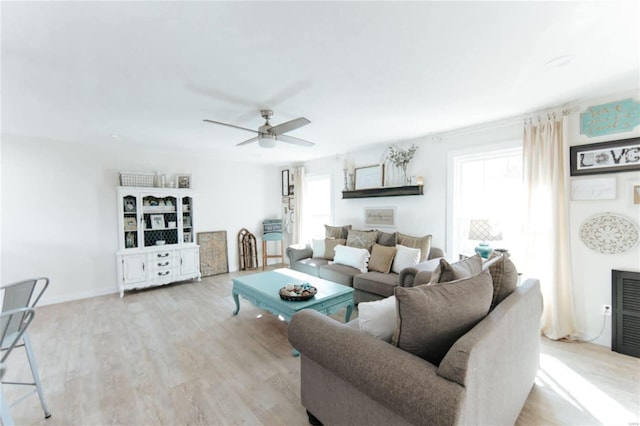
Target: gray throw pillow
{"x":338,"y":232}
{"x":431,"y":318}
{"x":389,"y":239}
{"x":505,"y":279}
{"x":422,"y":243}
{"x":465,"y":268}
{"x":362,"y":239}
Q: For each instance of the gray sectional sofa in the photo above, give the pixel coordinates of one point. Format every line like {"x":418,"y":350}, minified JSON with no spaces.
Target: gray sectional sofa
{"x":367,"y":286}
{"x":350,"y":377}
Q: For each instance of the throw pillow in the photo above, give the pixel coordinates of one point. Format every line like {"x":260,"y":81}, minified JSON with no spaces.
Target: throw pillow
{"x":336,"y":231}
{"x":330,"y":246}
{"x":318,"y":248}
{"x":505,"y":279}
{"x":362,"y":239}
{"x":387,"y":239}
{"x":351,"y":256}
{"x":431,"y":318}
{"x":423,"y":243}
{"x":405,"y":258}
{"x":378,"y":318}
{"x":465,"y":268}
{"x":381,"y":258}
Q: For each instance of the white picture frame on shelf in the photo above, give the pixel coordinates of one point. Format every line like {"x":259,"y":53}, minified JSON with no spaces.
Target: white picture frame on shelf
{"x":183,"y":181}
{"x":380,"y":216}
{"x":157,"y":221}
{"x":369,"y":177}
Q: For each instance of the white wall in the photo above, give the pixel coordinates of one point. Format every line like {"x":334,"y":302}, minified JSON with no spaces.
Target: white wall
{"x":59,"y":215}
{"x":422,"y":215}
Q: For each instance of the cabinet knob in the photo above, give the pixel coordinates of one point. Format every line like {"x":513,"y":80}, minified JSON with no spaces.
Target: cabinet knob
{"x":163,"y":264}
{"x":162,"y":274}
{"x":163,"y":254}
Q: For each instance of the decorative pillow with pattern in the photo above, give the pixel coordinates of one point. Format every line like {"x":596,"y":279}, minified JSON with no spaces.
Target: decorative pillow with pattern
{"x":330,"y":246}
{"x":337,"y":232}
{"x":465,"y":268}
{"x":505,"y":278}
{"x":423,"y":243}
{"x":362,"y":239}
{"x":381,"y":258}
{"x":432,"y":317}
{"x":350,"y":256}
{"x":405,"y":258}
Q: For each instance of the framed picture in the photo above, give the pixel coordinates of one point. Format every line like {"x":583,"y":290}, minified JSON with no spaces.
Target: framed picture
{"x":285,"y":200}
{"x":636,"y":194}
{"x":285,"y":183}
{"x":291,"y":188}
{"x":214,"y":259}
{"x":186,"y":237}
{"x":130,"y":224}
{"x":186,"y":221}
{"x":291,"y":203}
{"x":605,"y":157}
{"x":380,"y":216}
{"x":370,"y":176}
{"x":184,"y":181}
{"x":600,"y":188}
{"x":157,"y":221}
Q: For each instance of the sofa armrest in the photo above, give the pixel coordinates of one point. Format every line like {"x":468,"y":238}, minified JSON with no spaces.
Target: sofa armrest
{"x":297,"y":252}
{"x":419,"y":274}
{"x":396,"y":379}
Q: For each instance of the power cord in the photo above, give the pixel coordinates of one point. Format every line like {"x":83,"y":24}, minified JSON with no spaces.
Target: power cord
{"x":604,"y":321}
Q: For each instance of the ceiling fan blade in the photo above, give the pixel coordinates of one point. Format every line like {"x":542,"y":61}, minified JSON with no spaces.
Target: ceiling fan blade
{"x":289,"y":126}
{"x":295,"y":141}
{"x":231,"y":125}
{"x":247,"y":142}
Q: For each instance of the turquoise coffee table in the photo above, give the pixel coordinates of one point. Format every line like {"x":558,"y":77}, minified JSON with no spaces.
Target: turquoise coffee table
{"x":262,"y":291}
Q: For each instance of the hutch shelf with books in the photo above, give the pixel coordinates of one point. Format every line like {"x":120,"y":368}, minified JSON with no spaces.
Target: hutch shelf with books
{"x":155,"y":237}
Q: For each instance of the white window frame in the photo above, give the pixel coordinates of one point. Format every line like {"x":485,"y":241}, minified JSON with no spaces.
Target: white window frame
{"x":455,"y":156}
{"x":309,"y":178}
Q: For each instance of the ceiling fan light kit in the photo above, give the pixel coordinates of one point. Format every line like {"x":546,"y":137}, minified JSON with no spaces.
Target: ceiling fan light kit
{"x":269,"y":135}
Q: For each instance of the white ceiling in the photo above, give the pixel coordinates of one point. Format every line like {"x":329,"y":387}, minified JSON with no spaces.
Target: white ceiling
{"x":362,"y":72}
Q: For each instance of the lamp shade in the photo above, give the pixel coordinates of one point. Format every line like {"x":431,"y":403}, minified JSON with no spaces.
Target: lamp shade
{"x":266,"y":140}
{"x":483,"y":230}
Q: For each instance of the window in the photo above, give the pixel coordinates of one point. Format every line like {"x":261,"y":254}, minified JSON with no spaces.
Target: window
{"x":486,"y":186}
{"x":317,"y":207}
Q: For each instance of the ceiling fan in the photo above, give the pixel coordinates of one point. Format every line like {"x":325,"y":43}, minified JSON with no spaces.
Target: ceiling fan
{"x":268,"y":135}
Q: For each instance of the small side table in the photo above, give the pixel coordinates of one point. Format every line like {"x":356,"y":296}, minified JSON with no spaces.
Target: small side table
{"x":272,"y":236}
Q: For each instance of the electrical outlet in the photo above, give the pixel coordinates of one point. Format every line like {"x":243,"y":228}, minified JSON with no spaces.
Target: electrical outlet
{"x":606,"y":310}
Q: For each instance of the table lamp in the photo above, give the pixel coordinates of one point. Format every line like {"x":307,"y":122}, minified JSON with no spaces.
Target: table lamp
{"x":482,"y":230}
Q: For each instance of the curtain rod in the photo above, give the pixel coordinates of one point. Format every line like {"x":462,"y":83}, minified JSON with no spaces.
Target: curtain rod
{"x":519,"y":119}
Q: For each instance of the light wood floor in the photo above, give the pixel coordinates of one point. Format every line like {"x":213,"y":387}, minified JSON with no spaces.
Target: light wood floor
{"x":176,"y":355}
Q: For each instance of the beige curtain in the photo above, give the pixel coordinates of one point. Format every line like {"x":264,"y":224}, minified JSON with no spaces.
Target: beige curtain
{"x":547,"y":248}
{"x":299,"y":192}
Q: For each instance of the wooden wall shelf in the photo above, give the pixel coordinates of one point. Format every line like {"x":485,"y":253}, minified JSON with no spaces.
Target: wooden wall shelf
{"x":391,"y":191}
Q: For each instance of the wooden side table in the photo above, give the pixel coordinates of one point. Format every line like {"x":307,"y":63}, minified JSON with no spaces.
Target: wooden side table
{"x":272,"y":236}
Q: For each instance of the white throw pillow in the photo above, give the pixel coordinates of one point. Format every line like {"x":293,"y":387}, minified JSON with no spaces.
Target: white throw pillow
{"x":405,"y":257}
{"x":378,"y":318}
{"x":318,"y":248}
{"x":350,"y":256}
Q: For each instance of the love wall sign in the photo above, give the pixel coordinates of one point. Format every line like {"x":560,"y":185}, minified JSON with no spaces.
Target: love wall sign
{"x":605,"y":157}
{"x":614,"y":117}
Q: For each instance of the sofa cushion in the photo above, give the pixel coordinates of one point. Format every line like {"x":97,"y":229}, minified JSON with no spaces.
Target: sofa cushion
{"x":336,"y":231}
{"x":340,"y":274}
{"x":423,"y":243}
{"x":381,"y":258}
{"x":330,"y":246}
{"x":310,"y":266}
{"x":376,"y":283}
{"x":405,"y":258}
{"x":389,"y":239}
{"x":378,"y":318}
{"x":362,"y":239}
{"x":432,"y":317}
{"x":351,"y":256}
{"x":505,"y":279}
{"x":465,"y":268}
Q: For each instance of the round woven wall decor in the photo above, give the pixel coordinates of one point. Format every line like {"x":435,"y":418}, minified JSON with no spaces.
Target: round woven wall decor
{"x":609,"y":233}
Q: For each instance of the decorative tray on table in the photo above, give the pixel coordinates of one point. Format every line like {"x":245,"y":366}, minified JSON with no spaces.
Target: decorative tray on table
{"x":297,"y":292}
